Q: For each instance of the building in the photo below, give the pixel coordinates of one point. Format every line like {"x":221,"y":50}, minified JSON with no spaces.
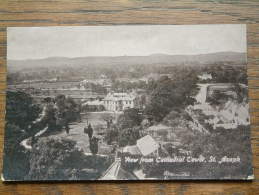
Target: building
{"x":116,"y":172}
{"x":205,"y":76}
{"x":103,"y":81}
{"x":147,"y":145}
{"x":93,"y":106}
{"x":227,"y":89}
{"x":209,"y":90}
{"x":120,"y":101}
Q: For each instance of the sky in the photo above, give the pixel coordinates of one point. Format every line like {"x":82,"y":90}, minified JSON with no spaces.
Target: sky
{"x":124,"y":40}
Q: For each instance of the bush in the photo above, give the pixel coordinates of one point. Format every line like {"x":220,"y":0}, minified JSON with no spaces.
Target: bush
{"x":130,"y":118}
{"x":128,"y":136}
{"x":168,"y":94}
{"x":220,"y":143}
{"x":16,"y":158}
{"x":59,"y":159}
{"x":20,"y":113}
{"x":20,"y":109}
{"x":127,"y":129}
{"x":111,"y":135}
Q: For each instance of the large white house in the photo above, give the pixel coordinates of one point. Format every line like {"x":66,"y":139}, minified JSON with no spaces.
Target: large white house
{"x":120,"y":101}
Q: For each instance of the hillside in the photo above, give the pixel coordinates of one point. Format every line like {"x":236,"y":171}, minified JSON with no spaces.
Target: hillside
{"x":232,"y":58}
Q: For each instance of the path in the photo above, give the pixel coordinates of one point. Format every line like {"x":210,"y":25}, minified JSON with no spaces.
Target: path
{"x":77,"y":134}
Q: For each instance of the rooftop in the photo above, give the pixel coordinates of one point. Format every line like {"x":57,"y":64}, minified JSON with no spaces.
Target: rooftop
{"x":116,"y":172}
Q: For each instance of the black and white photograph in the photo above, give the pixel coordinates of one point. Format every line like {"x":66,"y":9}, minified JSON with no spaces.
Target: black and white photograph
{"x":127,"y":102}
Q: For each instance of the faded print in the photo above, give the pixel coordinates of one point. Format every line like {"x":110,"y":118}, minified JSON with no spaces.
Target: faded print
{"x":127,"y":103}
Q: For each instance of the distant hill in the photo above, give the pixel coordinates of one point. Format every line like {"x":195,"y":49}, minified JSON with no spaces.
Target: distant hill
{"x":232,"y":58}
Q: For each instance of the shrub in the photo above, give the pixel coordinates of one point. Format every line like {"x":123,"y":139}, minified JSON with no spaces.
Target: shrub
{"x":59,"y":159}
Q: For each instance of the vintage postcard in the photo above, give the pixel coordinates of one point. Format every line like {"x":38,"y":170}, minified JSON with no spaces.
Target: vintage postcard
{"x":143,"y":102}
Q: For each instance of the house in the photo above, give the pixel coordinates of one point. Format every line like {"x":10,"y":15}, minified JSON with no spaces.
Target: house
{"x":205,"y":76}
{"x":147,"y":145}
{"x":95,"y":105}
{"x":103,"y":80}
{"x":232,"y":115}
{"x":222,"y":88}
{"x":133,"y":150}
{"x":119,"y":101}
{"x":144,"y":147}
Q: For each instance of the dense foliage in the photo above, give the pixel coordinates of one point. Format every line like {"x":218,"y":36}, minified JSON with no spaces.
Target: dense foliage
{"x":129,"y":136}
{"x":127,"y":130}
{"x":67,"y":110}
{"x":131,"y":117}
{"x":228,"y":74}
{"x":20,"y":113}
{"x":168,"y":94}
{"x":55,"y":159}
{"x":24,"y":119}
{"x":20,"y":109}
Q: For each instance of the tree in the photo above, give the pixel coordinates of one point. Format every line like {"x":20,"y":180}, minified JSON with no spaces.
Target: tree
{"x":67,"y":110}
{"x":59,"y":158}
{"x":111,"y":135}
{"x":20,"y":109}
{"x":167,"y":94}
{"x":177,"y":118}
{"x":15,"y":158}
{"x":57,"y":113}
{"x":89,"y":131}
{"x":108,"y":118}
{"x":129,"y":136}
{"x":217,"y":144}
{"x":242,"y":93}
{"x":20,"y":114}
{"x":127,"y":129}
{"x":94,"y":145}
{"x":131,"y":117}
{"x":228,"y":74}
{"x":55,"y":159}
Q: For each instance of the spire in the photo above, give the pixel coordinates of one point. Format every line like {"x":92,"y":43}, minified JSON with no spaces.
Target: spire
{"x":116,"y":172}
